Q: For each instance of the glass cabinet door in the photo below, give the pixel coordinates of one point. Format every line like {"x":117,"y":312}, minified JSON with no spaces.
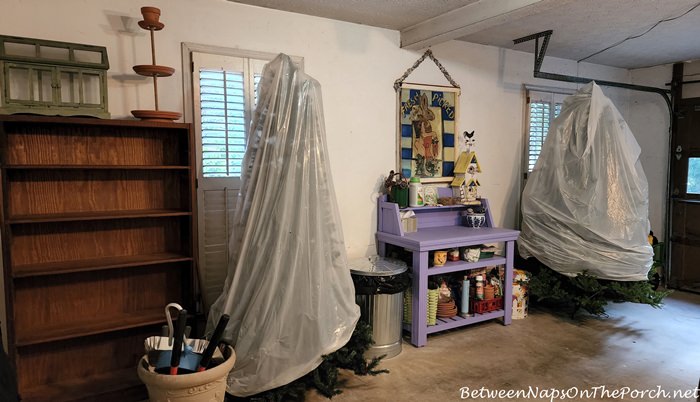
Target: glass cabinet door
{"x":69,"y":86}
{"x":30,"y":84}
{"x":92,"y":89}
{"x":80,"y":87}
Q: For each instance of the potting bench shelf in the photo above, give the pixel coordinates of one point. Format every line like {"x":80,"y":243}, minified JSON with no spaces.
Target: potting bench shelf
{"x":440,"y":228}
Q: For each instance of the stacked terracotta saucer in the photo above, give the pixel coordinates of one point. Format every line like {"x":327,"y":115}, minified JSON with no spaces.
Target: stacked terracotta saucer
{"x":408,"y":306}
{"x":433,"y":295}
{"x":447,"y":309}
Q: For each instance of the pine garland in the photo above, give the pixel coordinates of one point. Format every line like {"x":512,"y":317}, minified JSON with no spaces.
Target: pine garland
{"x":325,"y":377}
{"x":586,"y":292}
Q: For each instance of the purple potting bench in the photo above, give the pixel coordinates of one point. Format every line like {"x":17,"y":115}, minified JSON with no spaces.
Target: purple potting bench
{"x":440,"y":228}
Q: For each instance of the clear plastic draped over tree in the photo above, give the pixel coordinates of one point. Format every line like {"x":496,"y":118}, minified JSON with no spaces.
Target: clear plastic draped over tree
{"x":288,"y":291}
{"x":585,"y":205}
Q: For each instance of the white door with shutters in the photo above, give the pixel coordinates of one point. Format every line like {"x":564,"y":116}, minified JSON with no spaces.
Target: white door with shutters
{"x":542,"y":106}
{"x":224,"y":98}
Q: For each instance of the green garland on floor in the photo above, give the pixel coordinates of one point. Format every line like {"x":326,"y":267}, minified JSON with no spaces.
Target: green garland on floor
{"x":325,"y":377}
{"x":585,"y":292}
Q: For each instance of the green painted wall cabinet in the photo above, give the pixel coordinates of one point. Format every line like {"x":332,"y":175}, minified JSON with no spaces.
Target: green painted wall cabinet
{"x":52,"y":78}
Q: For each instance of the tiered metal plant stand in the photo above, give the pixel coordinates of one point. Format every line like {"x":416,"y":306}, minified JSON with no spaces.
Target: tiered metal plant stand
{"x":151,"y":16}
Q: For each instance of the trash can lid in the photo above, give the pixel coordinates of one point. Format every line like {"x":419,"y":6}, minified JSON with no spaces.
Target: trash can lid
{"x":377,"y":266}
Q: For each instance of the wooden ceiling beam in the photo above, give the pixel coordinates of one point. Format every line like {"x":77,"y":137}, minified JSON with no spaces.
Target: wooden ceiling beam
{"x":474,"y":17}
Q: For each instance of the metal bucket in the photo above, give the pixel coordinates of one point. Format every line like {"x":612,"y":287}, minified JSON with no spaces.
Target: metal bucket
{"x":380,"y":306}
{"x":384,"y":313}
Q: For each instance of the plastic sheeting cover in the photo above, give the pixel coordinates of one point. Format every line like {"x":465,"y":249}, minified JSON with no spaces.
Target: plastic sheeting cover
{"x":288,"y":291}
{"x":585,"y":205}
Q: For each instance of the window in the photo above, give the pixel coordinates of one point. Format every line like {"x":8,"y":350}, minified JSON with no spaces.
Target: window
{"x":223,"y":118}
{"x":226,"y":101}
{"x":693,"y":181}
{"x":543,"y":105}
{"x":541,"y":115}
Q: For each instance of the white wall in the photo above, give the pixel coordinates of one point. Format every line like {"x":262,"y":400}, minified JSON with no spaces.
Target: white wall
{"x":356,"y":66}
{"x":650,"y":121}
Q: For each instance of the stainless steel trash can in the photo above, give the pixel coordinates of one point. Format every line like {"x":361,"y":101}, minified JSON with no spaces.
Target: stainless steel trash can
{"x":379,"y":287}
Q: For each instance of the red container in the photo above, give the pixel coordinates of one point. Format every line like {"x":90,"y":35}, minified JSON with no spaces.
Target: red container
{"x":484,"y":306}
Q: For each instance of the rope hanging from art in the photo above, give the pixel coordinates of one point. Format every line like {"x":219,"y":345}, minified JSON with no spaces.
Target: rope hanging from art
{"x":428,"y":53}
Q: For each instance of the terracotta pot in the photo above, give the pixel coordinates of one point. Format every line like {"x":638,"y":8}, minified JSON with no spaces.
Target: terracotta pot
{"x":489,"y":292}
{"x":150,"y":14}
{"x":205,"y":386}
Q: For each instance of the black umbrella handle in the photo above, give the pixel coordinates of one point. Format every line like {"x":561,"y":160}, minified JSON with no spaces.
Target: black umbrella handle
{"x":177,"y":342}
{"x":213,"y":342}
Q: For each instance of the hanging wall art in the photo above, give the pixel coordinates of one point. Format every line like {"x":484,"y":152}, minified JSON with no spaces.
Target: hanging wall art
{"x":427,"y":123}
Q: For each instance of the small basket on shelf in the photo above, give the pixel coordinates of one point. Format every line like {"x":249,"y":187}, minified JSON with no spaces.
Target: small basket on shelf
{"x":485,"y":306}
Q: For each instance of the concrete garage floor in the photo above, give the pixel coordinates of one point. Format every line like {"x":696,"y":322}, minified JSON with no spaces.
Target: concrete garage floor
{"x":637,"y":346}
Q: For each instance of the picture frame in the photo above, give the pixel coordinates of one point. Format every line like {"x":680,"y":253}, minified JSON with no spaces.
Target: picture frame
{"x":427,"y":128}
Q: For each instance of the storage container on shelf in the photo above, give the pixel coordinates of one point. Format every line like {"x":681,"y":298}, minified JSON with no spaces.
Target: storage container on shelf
{"x":415,"y":193}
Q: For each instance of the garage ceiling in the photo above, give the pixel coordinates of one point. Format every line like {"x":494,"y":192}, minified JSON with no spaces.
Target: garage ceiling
{"x":595,"y":31}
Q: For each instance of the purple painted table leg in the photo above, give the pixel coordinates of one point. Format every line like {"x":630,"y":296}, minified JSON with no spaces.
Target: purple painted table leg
{"x":419,"y":332}
{"x":508,"y":285}
{"x":381,"y":248}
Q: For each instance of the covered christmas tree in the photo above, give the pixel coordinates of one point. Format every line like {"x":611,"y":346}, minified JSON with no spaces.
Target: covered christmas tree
{"x":585,"y":208}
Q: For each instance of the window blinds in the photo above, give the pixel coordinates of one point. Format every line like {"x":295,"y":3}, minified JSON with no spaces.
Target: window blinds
{"x":543,"y":107}
{"x":222,"y":95}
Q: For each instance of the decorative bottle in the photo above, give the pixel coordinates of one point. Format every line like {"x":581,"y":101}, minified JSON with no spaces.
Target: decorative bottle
{"x":464,"y":307}
{"x":479,"y":287}
{"x":415,"y":193}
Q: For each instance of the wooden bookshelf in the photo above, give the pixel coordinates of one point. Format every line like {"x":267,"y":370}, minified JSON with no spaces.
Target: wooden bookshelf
{"x":52,"y":371}
{"x":95,"y":167}
{"x":97,"y":215}
{"x":96,"y":264}
{"x":119,"y":385}
{"x":85,"y":327}
{"x":98,"y":225}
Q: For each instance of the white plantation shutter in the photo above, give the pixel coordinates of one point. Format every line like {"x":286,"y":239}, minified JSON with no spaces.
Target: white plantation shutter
{"x":543,"y":104}
{"x":224,"y":98}
{"x":218,"y":207}
{"x":223,"y":122}
{"x":539,"y":124}
{"x":542,"y":108}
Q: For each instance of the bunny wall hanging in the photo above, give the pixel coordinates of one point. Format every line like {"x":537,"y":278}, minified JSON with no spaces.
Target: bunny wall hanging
{"x":427,"y":123}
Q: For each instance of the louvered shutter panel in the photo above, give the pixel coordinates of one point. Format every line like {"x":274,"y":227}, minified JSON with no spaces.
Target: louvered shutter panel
{"x":539,"y":125}
{"x":218,"y":206}
{"x":225,"y":96}
{"x":223,"y":122}
{"x":543,"y":108}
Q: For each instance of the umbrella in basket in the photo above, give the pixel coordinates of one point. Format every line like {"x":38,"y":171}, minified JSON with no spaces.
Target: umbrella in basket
{"x":172,"y":350}
{"x":178,"y":368}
